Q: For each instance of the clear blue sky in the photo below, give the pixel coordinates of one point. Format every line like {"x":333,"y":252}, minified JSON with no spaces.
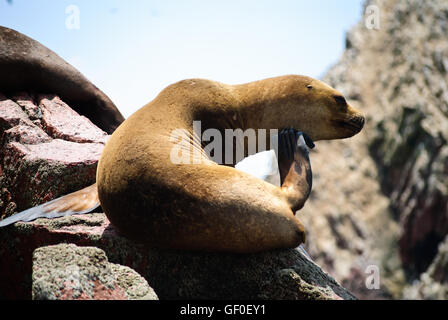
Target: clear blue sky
{"x":132,"y":49}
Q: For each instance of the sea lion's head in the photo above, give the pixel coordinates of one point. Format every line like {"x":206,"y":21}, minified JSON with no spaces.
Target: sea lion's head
{"x":322,"y":112}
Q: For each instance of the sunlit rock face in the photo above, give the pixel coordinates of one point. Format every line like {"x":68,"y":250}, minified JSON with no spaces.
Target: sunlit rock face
{"x":46,"y":150}
{"x":381,"y":197}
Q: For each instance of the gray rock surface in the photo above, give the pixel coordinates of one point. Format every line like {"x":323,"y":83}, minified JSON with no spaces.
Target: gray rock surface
{"x":381,"y":197}
{"x":433,"y":283}
{"x":285,"y":274}
{"x":68,"y":272}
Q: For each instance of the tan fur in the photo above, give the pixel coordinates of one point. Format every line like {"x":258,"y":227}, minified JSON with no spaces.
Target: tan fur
{"x":208,"y":206}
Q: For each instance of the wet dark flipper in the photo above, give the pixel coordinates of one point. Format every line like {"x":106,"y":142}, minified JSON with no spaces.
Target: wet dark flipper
{"x":294,"y":166}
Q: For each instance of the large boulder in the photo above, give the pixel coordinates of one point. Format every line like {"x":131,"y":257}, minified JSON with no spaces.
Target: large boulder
{"x":68,"y":272}
{"x":283,"y":274}
{"x":46,"y":150}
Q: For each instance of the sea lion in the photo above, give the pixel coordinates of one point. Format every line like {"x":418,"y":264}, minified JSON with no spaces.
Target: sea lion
{"x":213,"y":207}
{"x":206,"y":206}
{"x":25,"y":64}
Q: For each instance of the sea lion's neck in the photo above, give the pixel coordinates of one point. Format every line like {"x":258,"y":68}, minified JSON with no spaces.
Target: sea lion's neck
{"x":268,"y":104}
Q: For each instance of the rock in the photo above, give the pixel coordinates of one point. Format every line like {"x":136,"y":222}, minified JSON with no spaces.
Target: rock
{"x":382,"y":199}
{"x":68,"y":272}
{"x":433,"y":284}
{"x":285,"y":274}
{"x":46,"y":150}
{"x":61,"y":122}
{"x":409,"y":144}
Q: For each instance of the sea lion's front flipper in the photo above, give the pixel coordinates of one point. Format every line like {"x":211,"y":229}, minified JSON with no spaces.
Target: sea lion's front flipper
{"x":294,"y":166}
{"x":79,"y":202}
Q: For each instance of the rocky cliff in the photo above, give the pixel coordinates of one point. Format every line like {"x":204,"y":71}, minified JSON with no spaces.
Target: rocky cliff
{"x":381,"y":198}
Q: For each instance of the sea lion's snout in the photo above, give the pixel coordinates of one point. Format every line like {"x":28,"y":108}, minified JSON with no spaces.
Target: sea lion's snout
{"x":352,"y":125}
{"x":354,"y":121}
{"x":357,"y":123}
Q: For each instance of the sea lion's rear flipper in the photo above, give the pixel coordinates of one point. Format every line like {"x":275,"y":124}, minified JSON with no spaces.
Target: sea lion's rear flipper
{"x":79,"y":202}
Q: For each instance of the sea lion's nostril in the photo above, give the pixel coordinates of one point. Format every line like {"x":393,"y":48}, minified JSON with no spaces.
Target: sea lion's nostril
{"x":363,"y":121}
{"x":359,"y":121}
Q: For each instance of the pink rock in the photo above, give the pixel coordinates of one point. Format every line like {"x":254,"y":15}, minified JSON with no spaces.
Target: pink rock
{"x":46,"y":150}
{"x":25,"y":101}
{"x":11,"y":114}
{"x":62,"y":122}
{"x":27,"y":134}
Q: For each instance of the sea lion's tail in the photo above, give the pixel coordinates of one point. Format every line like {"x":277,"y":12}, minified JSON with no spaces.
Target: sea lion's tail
{"x":79,"y":202}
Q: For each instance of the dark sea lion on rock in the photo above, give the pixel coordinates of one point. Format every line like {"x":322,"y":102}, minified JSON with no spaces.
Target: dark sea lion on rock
{"x":25,"y":64}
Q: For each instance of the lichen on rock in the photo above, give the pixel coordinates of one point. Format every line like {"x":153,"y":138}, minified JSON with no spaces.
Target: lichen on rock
{"x":68,"y":272}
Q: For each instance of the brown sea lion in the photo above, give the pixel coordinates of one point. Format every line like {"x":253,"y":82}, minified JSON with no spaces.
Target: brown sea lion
{"x":25,"y":64}
{"x":208,"y":206}
{"x":203,"y":205}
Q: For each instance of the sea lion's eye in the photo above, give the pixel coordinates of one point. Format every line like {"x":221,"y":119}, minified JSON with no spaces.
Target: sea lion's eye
{"x":340,"y":100}
{"x":309,"y":87}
